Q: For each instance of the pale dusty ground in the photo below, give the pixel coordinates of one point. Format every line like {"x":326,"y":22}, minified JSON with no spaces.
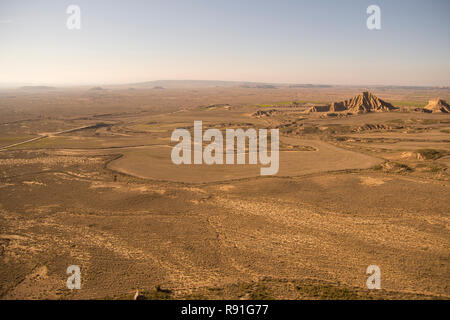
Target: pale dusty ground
{"x":109,"y":200}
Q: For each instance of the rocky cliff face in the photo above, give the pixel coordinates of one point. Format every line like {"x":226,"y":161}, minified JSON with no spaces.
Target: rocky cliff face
{"x":362,"y":103}
{"x":437,"y":105}
{"x":367,"y":102}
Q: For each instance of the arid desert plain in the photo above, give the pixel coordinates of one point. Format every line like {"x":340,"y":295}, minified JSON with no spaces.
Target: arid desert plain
{"x":86,"y":179}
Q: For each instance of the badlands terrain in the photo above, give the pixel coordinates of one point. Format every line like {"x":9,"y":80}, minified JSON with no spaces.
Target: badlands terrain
{"x":86,"y":179}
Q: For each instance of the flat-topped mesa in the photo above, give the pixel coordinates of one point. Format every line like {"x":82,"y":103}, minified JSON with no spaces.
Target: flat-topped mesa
{"x":362,"y":103}
{"x":437,"y":105}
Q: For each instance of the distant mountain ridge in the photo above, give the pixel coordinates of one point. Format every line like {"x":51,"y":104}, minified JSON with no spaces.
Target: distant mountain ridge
{"x":37,"y":88}
{"x":221,"y":83}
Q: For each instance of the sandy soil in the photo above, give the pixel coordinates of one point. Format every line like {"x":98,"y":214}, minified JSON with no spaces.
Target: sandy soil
{"x":354,"y":191}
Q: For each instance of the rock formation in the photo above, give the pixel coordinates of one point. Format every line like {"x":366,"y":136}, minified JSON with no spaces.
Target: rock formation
{"x":362,"y":103}
{"x":437,"y":105}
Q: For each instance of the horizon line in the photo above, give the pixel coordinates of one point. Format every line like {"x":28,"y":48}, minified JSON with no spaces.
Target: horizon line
{"x":19,"y":85}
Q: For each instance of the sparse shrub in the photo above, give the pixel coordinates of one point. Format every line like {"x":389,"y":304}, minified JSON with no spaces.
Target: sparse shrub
{"x":260,"y":292}
{"x":378,"y":167}
{"x":327,"y":292}
{"x":157,"y":294}
{"x":395,"y":167}
{"x":436,"y":169}
{"x":431,"y":154}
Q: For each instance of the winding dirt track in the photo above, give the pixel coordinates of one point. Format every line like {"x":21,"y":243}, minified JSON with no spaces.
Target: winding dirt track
{"x":46,"y":135}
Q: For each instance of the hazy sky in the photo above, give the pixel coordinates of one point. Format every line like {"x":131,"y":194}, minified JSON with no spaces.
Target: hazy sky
{"x":294,"y":41}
